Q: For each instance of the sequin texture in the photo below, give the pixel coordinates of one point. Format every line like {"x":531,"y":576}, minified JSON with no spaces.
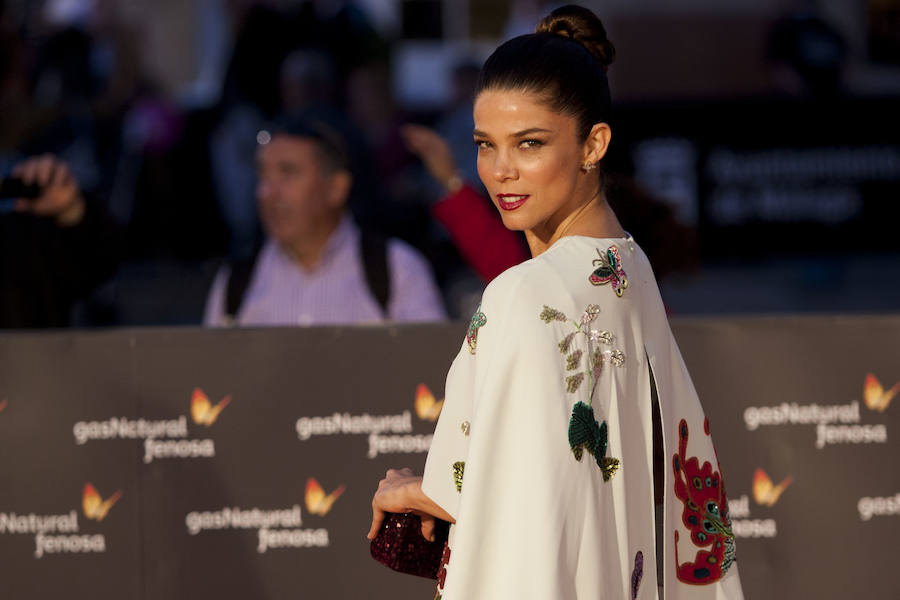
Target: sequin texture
{"x":458,"y":468}
{"x":601,"y":336}
{"x":585,"y":433}
{"x":616,"y":357}
{"x":608,"y":269}
{"x":566,"y":342}
{"x":442,"y":569}
{"x":573,"y":382}
{"x":637,"y":574}
{"x":705,"y":515}
{"x":551,"y":314}
{"x":479,"y":319}
{"x":572,"y":360}
{"x":590,"y":314}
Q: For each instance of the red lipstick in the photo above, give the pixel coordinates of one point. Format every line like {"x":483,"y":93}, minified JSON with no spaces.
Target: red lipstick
{"x":512,"y":201}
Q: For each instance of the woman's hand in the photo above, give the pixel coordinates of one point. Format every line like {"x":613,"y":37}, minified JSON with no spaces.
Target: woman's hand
{"x":400,"y":492}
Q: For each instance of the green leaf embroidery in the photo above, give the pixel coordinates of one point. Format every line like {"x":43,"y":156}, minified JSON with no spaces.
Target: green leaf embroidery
{"x":458,"y":468}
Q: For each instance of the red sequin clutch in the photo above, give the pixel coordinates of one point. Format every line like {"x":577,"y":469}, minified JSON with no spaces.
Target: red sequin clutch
{"x":400,"y":545}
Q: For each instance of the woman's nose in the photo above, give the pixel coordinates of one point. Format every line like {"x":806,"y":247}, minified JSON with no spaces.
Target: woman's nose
{"x":504,"y":169}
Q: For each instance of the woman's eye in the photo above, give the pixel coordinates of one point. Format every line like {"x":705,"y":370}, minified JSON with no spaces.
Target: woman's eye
{"x":482,"y":144}
{"x":532,"y":143}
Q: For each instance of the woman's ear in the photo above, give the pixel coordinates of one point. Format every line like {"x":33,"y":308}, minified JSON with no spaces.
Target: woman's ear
{"x":597,"y":143}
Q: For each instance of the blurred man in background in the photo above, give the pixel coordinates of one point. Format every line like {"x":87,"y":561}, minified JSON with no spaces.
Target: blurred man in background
{"x":316,"y":266}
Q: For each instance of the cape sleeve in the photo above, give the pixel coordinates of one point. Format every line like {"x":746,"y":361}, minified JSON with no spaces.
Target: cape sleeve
{"x":514,"y":524}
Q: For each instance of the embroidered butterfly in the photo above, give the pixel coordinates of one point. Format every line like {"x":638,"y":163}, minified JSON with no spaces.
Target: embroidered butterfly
{"x":586,"y":434}
{"x":609,"y":270}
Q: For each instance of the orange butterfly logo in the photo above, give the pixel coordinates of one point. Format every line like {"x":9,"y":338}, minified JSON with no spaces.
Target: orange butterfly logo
{"x":427,"y":408}
{"x":764,"y":492}
{"x":876,"y":397}
{"x":317,"y":502}
{"x":94,"y":506}
{"x":202,"y":410}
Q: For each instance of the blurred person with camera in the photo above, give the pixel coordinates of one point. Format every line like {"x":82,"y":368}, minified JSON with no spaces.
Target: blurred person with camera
{"x":56,"y":244}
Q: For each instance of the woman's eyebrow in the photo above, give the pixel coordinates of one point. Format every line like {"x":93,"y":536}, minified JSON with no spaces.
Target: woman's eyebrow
{"x":525,"y":132}
{"x":518,"y":134}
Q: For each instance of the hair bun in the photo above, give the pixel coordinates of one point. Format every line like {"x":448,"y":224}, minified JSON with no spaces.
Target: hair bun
{"x":583,"y":26}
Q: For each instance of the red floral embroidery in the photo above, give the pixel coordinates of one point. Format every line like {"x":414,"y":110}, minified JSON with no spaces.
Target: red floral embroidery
{"x":705,"y":514}
{"x":442,"y":570}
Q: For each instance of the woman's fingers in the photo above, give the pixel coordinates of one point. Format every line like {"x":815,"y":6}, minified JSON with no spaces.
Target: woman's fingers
{"x":377,"y":519}
{"x":427,"y":526}
{"x":392,"y":495}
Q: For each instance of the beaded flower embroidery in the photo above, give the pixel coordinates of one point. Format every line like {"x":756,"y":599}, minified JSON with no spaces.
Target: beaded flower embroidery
{"x":479,"y":319}
{"x":609,"y":270}
{"x":585,"y":433}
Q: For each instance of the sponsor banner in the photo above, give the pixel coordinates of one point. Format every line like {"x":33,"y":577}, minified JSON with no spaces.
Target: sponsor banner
{"x":165,"y":438}
{"x":241,"y":463}
{"x":386,"y":434}
{"x":61,"y":533}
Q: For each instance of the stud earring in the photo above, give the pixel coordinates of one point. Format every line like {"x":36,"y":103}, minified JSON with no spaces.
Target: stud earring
{"x":588,"y":167}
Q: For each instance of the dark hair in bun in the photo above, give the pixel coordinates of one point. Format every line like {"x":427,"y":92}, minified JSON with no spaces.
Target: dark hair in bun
{"x":564,"y":62}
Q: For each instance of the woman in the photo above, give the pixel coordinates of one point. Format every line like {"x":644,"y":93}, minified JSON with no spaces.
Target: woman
{"x":543,"y":455}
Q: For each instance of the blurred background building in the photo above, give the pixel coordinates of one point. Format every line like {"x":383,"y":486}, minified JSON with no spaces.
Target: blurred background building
{"x":756,"y":146}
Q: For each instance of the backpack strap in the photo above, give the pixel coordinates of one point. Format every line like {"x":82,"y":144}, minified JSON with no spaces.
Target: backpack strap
{"x":373,"y":249}
{"x":238,"y":280}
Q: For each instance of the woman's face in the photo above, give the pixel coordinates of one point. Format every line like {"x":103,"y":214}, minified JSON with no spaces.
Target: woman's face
{"x":530,"y":159}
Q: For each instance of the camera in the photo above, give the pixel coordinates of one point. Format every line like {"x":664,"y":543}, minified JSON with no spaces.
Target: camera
{"x":14,"y":187}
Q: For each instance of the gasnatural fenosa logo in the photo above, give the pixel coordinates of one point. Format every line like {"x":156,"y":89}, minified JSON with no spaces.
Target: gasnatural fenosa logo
{"x":387,"y":434}
{"x":162,"y":438}
{"x":835,"y":424}
{"x":61,"y":533}
{"x":766,"y":494}
{"x":275,"y":528}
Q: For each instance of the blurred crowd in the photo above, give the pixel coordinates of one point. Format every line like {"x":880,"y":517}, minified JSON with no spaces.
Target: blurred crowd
{"x":173,"y":181}
{"x":149,"y":202}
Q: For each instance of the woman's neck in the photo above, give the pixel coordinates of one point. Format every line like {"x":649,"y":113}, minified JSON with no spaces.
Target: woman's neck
{"x":593,"y":219}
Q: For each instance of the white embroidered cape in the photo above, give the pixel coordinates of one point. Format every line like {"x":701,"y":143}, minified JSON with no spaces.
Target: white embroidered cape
{"x":532,"y":522}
